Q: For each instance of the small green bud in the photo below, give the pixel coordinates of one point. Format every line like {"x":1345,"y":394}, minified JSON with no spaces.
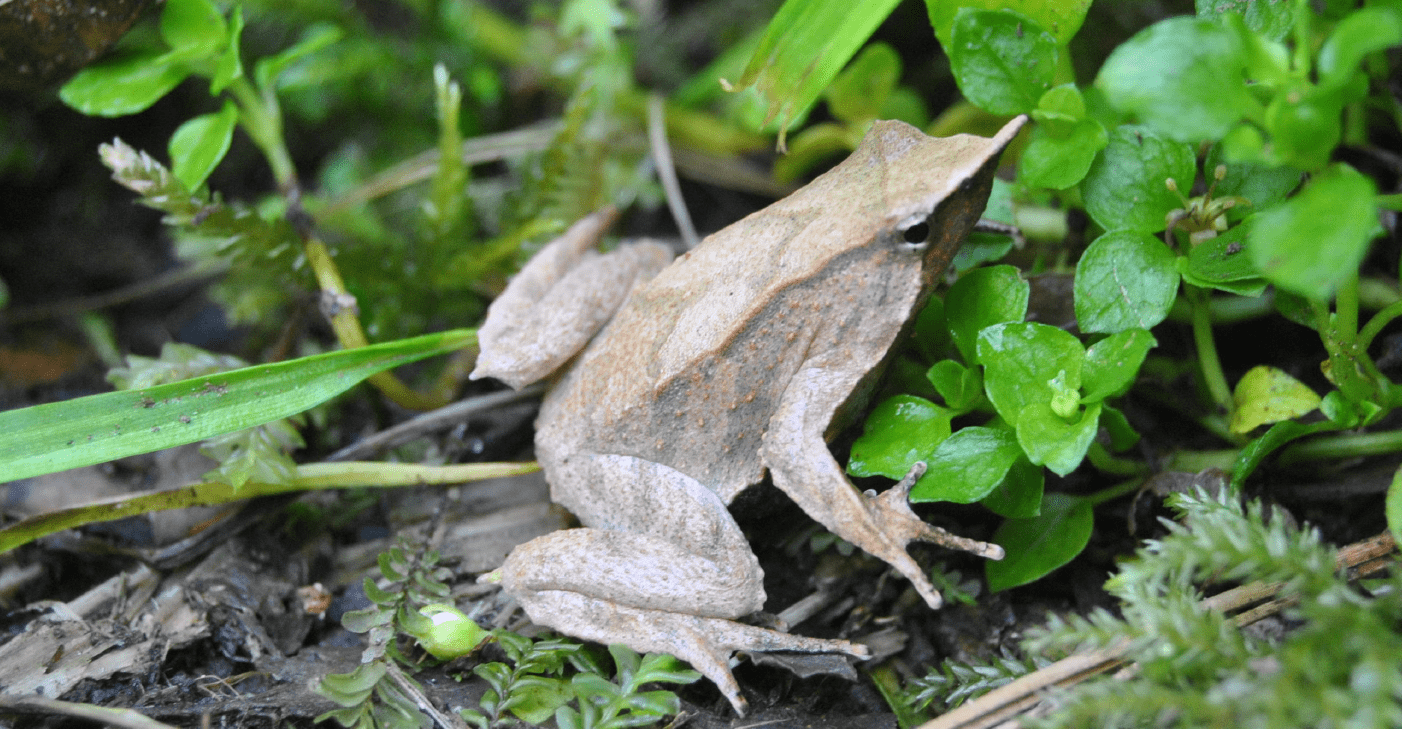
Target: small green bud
{"x":452,"y":635}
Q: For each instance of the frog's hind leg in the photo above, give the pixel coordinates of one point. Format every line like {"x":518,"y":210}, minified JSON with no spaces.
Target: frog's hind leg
{"x":705,"y":643}
{"x":661,"y":566}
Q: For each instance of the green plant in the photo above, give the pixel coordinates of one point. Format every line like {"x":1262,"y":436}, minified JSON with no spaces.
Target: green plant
{"x":1267,"y":96}
{"x":1196,"y":667}
{"x":531,"y":684}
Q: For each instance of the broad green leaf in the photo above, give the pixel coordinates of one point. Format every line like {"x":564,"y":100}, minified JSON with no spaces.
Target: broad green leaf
{"x":124,"y":85}
{"x":803,"y":49}
{"x":860,"y":91}
{"x":1019,"y":496}
{"x":1061,"y":18}
{"x":1222,"y":263}
{"x":900,"y":431}
{"x":1269,"y":18}
{"x":967,"y":466}
{"x":230,"y":64}
{"x":98,"y":428}
{"x":1028,"y":363}
{"x":1058,"y":162}
{"x":1305,"y":124}
{"x":1060,"y":108}
{"x":1116,"y":425}
{"x":1126,"y":184}
{"x":931,"y":335}
{"x":196,"y":26}
{"x":198,"y":145}
{"x":1312,"y":242}
{"x":1124,"y":280}
{"x":960,"y":386}
{"x":1269,"y":395}
{"x":1041,"y":544}
{"x":1184,"y":76}
{"x":1055,"y":441}
{"x":1360,"y":33}
{"x":1112,"y":363}
{"x":981,"y":298}
{"x":316,"y":37}
{"x":1002,"y":61}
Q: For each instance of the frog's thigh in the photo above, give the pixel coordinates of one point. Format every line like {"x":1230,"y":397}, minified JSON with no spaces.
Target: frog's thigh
{"x":654,"y":538}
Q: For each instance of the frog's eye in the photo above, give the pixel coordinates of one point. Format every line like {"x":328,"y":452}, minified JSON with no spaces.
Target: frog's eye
{"x":917,"y":234}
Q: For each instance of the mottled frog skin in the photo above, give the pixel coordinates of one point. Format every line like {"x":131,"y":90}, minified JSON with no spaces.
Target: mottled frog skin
{"x":681,"y":383}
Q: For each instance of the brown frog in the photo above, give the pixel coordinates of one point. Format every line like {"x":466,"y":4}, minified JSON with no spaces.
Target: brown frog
{"x":697,"y":376}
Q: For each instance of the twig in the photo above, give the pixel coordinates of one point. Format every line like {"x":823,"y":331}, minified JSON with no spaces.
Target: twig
{"x":39,"y":705}
{"x":408,"y":687}
{"x":443,"y":417}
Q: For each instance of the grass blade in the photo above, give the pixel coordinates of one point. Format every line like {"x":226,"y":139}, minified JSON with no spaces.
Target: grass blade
{"x":87,"y":430}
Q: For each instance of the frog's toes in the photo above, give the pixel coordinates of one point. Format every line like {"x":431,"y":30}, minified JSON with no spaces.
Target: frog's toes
{"x":892,"y":510}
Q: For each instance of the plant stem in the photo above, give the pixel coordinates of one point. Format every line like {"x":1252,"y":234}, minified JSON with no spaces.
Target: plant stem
{"x":1375,"y":325}
{"x":262,"y":120}
{"x":1114,"y":492}
{"x":339,"y":306}
{"x":1209,"y":362}
{"x":1346,"y":311}
{"x":1351,"y":445}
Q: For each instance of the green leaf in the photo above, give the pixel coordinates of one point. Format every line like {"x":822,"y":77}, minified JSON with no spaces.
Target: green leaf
{"x":196,"y":26}
{"x":900,"y":431}
{"x":1278,"y":435}
{"x":981,"y":298}
{"x":230,"y":65}
{"x":1055,"y":441}
{"x":1028,"y":363}
{"x":1358,"y":34}
{"x":860,"y":91}
{"x":536,"y":698}
{"x":967,"y":466}
{"x":1222,"y":263}
{"x":1041,"y":544}
{"x":1116,"y":425}
{"x":803,"y":49}
{"x":1185,"y":77}
{"x":1269,"y":395}
{"x":198,"y":145}
{"x":316,"y":37}
{"x":1019,"y":496}
{"x":1266,"y":17}
{"x":1112,"y":363}
{"x":1061,"y":17}
{"x":87,"y":430}
{"x":357,"y":685}
{"x":1002,"y":61}
{"x":1314,"y":241}
{"x":1305,"y":124}
{"x":1060,"y":108}
{"x":1125,"y":187}
{"x":1059,"y":162}
{"x":124,"y":85}
{"x":960,"y":386}
{"x":1124,"y":280}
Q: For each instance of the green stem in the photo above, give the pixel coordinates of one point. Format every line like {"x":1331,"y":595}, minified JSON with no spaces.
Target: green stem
{"x":1213,"y":375}
{"x":1352,"y":445}
{"x":1104,"y":462}
{"x":1114,"y":492}
{"x":1346,"y":311}
{"x":262,"y":120}
{"x":1375,"y":325}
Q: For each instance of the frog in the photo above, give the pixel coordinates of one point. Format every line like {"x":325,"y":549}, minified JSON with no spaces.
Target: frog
{"x":677,"y":384}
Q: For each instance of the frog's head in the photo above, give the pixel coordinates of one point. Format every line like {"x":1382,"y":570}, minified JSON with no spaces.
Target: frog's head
{"x":934,"y":188}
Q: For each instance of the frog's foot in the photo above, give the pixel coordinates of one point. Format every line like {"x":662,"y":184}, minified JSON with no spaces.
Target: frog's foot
{"x":891,"y":512}
{"x":704,"y":642}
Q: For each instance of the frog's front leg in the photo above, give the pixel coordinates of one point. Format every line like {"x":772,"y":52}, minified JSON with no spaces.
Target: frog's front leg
{"x":801,"y":465}
{"x":661,"y":567}
{"x":559,"y":300}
